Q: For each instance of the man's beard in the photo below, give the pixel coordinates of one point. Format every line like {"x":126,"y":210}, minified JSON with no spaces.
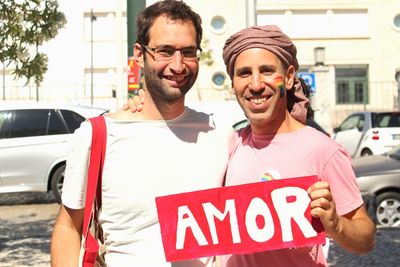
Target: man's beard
{"x":160,"y":90}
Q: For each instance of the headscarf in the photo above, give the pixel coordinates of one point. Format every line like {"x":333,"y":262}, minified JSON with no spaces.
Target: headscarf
{"x":271,"y":38}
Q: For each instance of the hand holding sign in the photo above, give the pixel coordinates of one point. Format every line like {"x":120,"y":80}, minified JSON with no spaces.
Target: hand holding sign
{"x":238,"y":219}
{"x":323,"y":206}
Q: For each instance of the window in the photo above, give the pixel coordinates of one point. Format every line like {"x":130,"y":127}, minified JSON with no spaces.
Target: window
{"x":219,"y":79}
{"x":324,"y":23}
{"x":5,"y":123}
{"x":56,"y":125}
{"x":349,"y":23}
{"x":386,"y":119}
{"x":102,"y":26}
{"x":103,"y":79}
{"x":30,"y":122}
{"x":351,"y":84}
{"x":353,"y":122}
{"x":25,"y":123}
{"x":72,"y":119}
{"x":218,"y":24}
{"x":396,"y":22}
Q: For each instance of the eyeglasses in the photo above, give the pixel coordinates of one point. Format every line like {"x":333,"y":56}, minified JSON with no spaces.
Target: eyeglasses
{"x":166,"y":53}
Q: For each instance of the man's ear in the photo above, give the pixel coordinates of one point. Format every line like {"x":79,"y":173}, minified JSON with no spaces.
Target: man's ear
{"x":289,"y":79}
{"x":138,"y":54}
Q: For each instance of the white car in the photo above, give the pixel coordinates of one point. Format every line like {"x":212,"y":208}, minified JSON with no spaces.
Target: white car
{"x":369,"y":133}
{"x":34,"y":144}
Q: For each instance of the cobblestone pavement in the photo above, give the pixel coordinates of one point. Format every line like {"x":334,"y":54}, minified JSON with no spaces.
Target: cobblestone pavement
{"x":385,"y":254}
{"x":26,"y":222}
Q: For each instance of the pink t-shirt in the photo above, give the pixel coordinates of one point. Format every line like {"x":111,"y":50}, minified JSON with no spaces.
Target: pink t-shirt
{"x":301,"y":153}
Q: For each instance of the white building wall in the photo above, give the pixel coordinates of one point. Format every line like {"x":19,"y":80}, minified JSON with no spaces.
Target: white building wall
{"x":358,"y":32}
{"x":234,"y":14}
{"x":375,"y":43}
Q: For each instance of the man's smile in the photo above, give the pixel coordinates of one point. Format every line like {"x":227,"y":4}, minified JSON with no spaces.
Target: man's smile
{"x":176,"y":78}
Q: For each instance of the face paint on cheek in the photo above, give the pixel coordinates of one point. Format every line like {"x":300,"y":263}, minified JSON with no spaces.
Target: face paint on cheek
{"x":278,"y":82}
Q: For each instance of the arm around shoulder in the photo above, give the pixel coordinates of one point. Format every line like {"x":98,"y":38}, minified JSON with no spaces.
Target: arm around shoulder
{"x":66,"y":237}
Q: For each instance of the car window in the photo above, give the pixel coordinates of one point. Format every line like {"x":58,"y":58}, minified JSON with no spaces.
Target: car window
{"x":353,"y":122}
{"x":386,"y":120}
{"x":72,"y":119}
{"x":5,"y":123}
{"x":28,"y":123}
{"x":56,"y":125}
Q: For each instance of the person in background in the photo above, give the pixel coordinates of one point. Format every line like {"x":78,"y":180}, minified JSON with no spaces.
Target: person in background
{"x":167,"y":144}
{"x":261,"y":62}
{"x":310,"y":111}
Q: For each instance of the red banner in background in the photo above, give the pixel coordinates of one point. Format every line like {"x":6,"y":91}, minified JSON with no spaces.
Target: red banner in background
{"x":238,"y":219}
{"x":133,"y":75}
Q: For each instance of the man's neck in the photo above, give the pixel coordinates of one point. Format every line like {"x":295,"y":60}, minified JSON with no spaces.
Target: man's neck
{"x":285,"y":124}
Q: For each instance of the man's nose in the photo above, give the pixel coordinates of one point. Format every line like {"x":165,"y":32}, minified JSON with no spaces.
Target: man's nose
{"x":177,"y":64}
{"x":257,"y":83}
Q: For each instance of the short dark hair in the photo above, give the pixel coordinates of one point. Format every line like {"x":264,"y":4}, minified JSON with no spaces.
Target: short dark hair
{"x":172,"y":9}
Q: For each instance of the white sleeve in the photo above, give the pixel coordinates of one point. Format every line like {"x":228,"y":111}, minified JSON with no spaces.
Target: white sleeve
{"x":74,"y":187}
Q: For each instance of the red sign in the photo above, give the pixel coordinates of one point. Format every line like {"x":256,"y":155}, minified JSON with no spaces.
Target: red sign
{"x":238,"y":219}
{"x":133,"y":75}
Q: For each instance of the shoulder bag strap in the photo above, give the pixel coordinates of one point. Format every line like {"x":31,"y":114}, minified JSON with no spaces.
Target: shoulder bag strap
{"x":96,"y":161}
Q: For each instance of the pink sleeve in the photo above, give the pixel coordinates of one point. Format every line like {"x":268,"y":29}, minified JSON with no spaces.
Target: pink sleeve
{"x":341,"y":178}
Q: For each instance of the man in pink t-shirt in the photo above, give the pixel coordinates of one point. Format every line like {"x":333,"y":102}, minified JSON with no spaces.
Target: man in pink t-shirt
{"x":262,"y":64}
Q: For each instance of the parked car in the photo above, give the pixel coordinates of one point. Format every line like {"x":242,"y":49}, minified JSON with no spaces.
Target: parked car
{"x":369,"y":133}
{"x":34,"y":145}
{"x":378,"y":177}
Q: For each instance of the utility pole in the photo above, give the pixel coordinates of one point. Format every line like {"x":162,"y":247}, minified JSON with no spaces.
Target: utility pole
{"x":397,"y":77}
{"x":36,"y":83}
{"x":133,"y":7}
{"x":4,"y":81}
{"x":92,"y":19}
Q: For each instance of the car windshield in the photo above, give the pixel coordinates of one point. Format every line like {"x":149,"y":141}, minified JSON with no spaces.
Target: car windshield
{"x":394,"y":153}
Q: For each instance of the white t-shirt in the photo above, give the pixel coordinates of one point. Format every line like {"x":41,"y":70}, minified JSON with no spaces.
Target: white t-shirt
{"x":145,"y":159}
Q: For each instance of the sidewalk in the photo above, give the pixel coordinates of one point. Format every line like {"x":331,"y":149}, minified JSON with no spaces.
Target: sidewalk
{"x":385,"y":254}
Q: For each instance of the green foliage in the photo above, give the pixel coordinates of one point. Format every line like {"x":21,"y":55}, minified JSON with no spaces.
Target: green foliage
{"x":206,"y":55}
{"x":24,"y":26}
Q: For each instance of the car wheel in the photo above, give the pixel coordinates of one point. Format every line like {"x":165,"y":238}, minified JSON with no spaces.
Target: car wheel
{"x":388,"y":209}
{"x":366,"y":152}
{"x":57,"y":182}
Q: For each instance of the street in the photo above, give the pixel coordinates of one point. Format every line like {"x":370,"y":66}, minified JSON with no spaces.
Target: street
{"x":26,"y":222}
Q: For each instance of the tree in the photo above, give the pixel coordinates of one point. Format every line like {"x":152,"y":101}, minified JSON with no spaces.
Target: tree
{"x":24,"y":26}
{"x":206,"y":55}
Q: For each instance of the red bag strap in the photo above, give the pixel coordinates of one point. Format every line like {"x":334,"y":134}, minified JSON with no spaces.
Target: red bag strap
{"x":96,"y":161}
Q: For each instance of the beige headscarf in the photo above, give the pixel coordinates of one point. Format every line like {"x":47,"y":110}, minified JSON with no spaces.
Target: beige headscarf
{"x":271,"y":38}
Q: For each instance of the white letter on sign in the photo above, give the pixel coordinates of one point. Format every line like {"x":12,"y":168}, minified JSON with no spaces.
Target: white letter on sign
{"x":188,"y":222}
{"x":286,"y":211}
{"x":211,"y":211}
{"x":258,"y":207}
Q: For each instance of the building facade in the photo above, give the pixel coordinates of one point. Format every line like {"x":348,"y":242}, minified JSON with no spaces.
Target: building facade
{"x":349,"y":51}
